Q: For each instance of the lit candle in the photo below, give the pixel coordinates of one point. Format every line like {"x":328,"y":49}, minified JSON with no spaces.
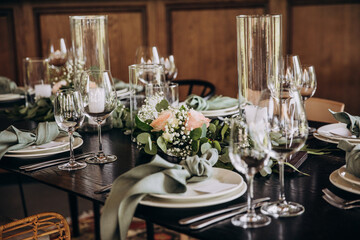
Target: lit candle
{"x":42,"y":90}
{"x":96,"y":100}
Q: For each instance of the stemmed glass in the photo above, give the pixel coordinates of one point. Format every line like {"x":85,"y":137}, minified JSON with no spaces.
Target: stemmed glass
{"x":308,"y":86}
{"x":293,"y":71}
{"x":147,"y":55}
{"x":99,"y":97}
{"x":58,"y":52}
{"x":288,"y":129}
{"x":249,"y":150}
{"x":69,"y":115}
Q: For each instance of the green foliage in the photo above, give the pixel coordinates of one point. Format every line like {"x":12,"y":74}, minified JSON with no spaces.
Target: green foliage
{"x":162,"y":105}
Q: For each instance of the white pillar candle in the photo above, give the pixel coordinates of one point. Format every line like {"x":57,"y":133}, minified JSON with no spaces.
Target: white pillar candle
{"x":96,"y":100}
{"x":42,"y":90}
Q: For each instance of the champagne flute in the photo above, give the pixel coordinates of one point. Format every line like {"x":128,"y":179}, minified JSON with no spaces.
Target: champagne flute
{"x":288,"y":129}
{"x":99,"y":97}
{"x":249,"y":150}
{"x":69,"y":115}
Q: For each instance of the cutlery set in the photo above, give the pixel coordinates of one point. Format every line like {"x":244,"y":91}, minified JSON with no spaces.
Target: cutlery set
{"x":339,"y":202}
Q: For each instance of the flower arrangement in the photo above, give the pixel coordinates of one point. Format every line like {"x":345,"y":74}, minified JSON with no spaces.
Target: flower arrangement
{"x":178,"y":132}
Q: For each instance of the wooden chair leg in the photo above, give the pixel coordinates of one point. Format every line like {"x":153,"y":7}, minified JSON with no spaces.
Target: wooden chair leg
{"x":96,"y":209}
{"x":74,"y":214}
{"x":149,"y":230}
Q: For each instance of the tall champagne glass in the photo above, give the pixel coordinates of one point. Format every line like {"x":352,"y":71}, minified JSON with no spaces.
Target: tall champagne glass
{"x":293,"y":71}
{"x":69,"y":115}
{"x":308,"y":86}
{"x":99,"y":97}
{"x":248,"y":150}
{"x":288,"y":128}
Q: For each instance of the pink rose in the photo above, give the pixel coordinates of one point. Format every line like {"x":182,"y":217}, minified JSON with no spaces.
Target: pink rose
{"x":196,"y":120}
{"x":160,"y":123}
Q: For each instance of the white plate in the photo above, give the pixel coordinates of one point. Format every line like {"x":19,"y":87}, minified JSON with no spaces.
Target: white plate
{"x":77,"y":143}
{"x":348,"y":176}
{"x":10,"y":97}
{"x":122,"y":92}
{"x":229,"y":109}
{"x":60,"y":142}
{"x":220,"y":175}
{"x":339,"y":129}
{"x":318,"y":136}
{"x":342,"y":184}
{"x":166,"y":203}
{"x":221,"y":114}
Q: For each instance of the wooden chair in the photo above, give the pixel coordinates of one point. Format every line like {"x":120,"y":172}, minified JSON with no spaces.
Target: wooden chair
{"x":40,"y":226}
{"x":317,"y":109}
{"x":199,"y":87}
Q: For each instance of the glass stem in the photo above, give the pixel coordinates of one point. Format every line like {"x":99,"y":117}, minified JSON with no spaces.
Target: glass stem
{"x":100,"y":153}
{"x":281,"y":179}
{"x":250,"y":195}
{"x":71,"y":141}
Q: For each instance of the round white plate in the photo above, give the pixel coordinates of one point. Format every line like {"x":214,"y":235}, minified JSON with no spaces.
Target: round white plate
{"x":221,"y":114}
{"x":77,"y":143}
{"x":219,"y":175}
{"x":348,"y":176}
{"x":318,"y":136}
{"x":337,"y":128}
{"x":10,"y":97}
{"x":166,"y":203}
{"x":229,"y":109}
{"x":61,"y":142}
{"x":342,"y":184}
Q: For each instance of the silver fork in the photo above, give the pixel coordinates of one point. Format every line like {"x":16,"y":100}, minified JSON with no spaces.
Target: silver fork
{"x":337,"y":198}
{"x":338,"y":205}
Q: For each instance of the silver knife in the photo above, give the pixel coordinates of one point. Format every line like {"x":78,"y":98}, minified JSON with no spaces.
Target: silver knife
{"x":210,"y":221}
{"x":210,"y":214}
{"x":51,"y":163}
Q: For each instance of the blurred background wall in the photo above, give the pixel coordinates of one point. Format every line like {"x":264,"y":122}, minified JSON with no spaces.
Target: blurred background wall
{"x":201,"y":34}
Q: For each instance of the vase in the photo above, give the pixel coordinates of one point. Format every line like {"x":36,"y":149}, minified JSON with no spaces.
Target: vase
{"x":259,"y":51}
{"x":90,"y":45}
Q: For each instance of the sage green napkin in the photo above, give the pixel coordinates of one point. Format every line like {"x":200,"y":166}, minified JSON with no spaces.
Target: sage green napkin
{"x":14,"y":139}
{"x":8,"y":86}
{"x":352,"y":122}
{"x":352,"y":157}
{"x":158,"y":177}
{"x":215,"y":103}
{"x":119,"y":84}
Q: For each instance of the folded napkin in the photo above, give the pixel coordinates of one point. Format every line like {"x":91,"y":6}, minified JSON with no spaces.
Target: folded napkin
{"x":352,"y":122}
{"x":14,"y":139}
{"x":215,"y":103}
{"x":119,"y":84}
{"x":352,"y":157}
{"x":8,"y":86}
{"x":158,"y":177}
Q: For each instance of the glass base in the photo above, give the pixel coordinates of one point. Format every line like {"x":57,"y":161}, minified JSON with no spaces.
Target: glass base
{"x":251,"y":220}
{"x":283,"y":209}
{"x":102,"y":160}
{"x":71,"y":167}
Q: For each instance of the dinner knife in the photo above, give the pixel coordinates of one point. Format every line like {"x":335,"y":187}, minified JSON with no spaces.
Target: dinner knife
{"x":215,"y":219}
{"x":196,"y":218}
{"x":33,"y":167}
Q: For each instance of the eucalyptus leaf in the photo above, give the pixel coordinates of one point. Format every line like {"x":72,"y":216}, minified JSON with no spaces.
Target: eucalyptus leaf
{"x":212,"y":128}
{"x":205,"y":147}
{"x":203,"y":130}
{"x":162,"y":105}
{"x":195,"y":134}
{"x":216,"y":145}
{"x":141,"y":125}
{"x":223,"y":131}
{"x":143,"y":138}
{"x":195,"y":145}
{"x":162,"y":144}
{"x":150,"y":148}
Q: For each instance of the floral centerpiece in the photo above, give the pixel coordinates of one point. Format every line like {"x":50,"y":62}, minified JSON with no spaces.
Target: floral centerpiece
{"x":177,"y":131}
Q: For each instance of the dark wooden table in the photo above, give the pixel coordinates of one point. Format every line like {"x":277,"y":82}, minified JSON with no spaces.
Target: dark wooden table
{"x":320,"y":220}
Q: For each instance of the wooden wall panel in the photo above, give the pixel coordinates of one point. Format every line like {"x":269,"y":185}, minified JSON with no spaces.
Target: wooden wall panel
{"x":328,"y":36}
{"x":203,"y":42}
{"x":126,"y":33}
{"x":7,"y":43}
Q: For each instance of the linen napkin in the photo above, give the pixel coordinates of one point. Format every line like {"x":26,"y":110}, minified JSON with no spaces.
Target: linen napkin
{"x":352,"y":157}
{"x":158,"y":177}
{"x":8,"y":86}
{"x":215,"y":103}
{"x":352,"y":122}
{"x":119,"y":84}
{"x":14,"y":139}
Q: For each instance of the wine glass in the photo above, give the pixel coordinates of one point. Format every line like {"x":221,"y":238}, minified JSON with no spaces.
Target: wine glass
{"x":293,"y":71}
{"x":308,"y":86}
{"x":99,"y":97}
{"x":58,"y":53}
{"x":169,"y":67}
{"x":287,"y":125}
{"x":147,"y":55}
{"x":249,"y":149}
{"x":69,"y":115}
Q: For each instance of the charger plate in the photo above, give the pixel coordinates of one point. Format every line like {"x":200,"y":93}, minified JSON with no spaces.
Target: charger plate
{"x":342,"y":184}
{"x":348,"y":176}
